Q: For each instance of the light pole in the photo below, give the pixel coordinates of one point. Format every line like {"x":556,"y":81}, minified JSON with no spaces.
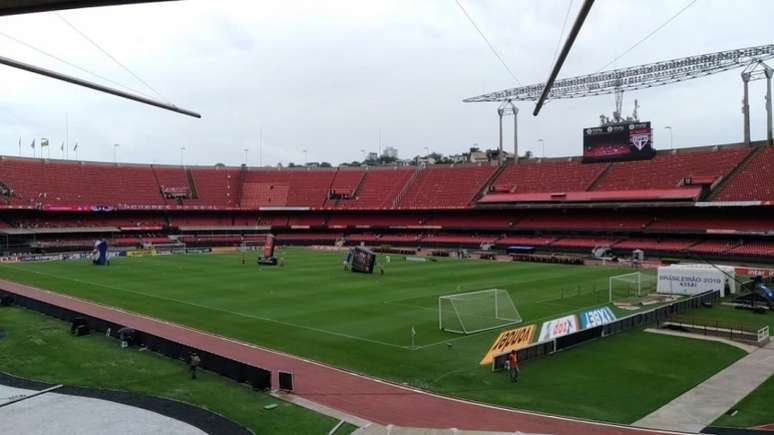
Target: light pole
{"x":306,"y":159}
{"x":115,"y":153}
{"x":363,"y":152}
{"x":182,"y":150}
{"x":246,"y":150}
{"x":543,"y":147}
{"x":671,"y":144}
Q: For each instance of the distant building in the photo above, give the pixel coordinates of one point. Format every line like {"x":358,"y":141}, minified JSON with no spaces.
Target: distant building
{"x":478,"y":157}
{"x":458,"y":158}
{"x":372,"y":156}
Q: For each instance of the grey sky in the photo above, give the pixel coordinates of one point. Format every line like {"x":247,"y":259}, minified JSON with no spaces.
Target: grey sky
{"x":328,"y":76}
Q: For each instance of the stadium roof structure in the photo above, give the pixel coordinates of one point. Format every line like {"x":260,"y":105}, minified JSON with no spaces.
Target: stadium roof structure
{"x":16,"y":7}
{"x":635,"y":77}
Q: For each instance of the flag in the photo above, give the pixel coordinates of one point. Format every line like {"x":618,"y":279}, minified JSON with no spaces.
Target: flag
{"x":32,"y":145}
{"x":75,"y":148}
{"x":62,"y":147}
{"x":43,"y":142}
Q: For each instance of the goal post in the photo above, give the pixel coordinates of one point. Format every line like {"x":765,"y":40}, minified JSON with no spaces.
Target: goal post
{"x":471,"y":312}
{"x":625,"y":286}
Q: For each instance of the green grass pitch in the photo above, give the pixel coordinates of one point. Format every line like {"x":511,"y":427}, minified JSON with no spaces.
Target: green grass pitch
{"x":312,"y":308}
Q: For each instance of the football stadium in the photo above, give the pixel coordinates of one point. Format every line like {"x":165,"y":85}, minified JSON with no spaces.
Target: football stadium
{"x":625,"y":288}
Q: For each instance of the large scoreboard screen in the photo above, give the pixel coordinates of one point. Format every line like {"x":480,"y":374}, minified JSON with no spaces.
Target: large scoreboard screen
{"x":624,"y":141}
{"x":362,"y":260}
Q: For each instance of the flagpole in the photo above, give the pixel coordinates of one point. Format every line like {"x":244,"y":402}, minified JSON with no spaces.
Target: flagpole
{"x":19,"y":146}
{"x":67,"y":135}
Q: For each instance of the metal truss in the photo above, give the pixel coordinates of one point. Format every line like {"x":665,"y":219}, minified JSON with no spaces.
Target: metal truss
{"x":636,"y":77}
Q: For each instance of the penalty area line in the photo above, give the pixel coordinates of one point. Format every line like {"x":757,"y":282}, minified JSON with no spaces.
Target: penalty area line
{"x":193,"y":304}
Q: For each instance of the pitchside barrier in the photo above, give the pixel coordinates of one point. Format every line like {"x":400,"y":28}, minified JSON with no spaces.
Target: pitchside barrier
{"x":636,"y":320}
{"x":257,"y":377}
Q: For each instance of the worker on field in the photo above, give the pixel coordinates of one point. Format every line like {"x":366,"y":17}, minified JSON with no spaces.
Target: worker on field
{"x":243,"y":258}
{"x":193,"y":363}
{"x":381,"y":269}
{"x":513,"y":366}
{"x":282,"y":261}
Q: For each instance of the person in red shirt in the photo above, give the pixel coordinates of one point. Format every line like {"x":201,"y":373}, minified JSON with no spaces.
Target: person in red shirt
{"x":513,"y":366}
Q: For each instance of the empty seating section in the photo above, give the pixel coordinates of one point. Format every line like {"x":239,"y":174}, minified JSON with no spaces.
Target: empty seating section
{"x":711,"y":219}
{"x":473,"y":220}
{"x":171,"y":176}
{"x":655,"y":244}
{"x":584,"y":242}
{"x":305,"y":188}
{"x":548,"y":176}
{"x":200,"y":220}
{"x":599,"y":219}
{"x":216,"y":187}
{"x":712,"y":247}
{"x":255,"y":195}
{"x":330,"y":237}
{"x":378,"y":189}
{"x":400,"y":238}
{"x":755,"y":248}
{"x":72,"y":183}
{"x":752,"y":182}
{"x":446,"y":186}
{"x":666,"y":170}
{"x":374,"y":220}
{"x":346,"y":181}
{"x":306,"y":220}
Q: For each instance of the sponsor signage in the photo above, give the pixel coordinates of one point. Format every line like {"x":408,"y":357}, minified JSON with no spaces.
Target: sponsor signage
{"x":624,"y":141}
{"x":596,"y":317}
{"x":221,"y":249}
{"x":756,"y":271}
{"x":558,"y":327}
{"x":509,"y":340}
{"x":141,"y":253}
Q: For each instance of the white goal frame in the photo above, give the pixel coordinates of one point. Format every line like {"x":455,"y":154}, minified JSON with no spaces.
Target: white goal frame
{"x":496,"y":307}
{"x":623,"y":278}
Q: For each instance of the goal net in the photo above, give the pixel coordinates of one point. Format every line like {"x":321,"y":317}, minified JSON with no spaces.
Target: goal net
{"x":631,"y":285}
{"x":467,"y":313}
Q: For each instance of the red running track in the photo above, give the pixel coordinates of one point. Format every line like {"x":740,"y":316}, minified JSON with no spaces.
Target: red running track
{"x":371,"y":399}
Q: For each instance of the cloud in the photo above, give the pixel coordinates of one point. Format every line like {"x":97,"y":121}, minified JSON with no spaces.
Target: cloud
{"x":329,"y":76}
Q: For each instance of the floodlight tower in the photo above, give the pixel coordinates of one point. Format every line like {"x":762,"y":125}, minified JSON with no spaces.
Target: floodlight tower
{"x":507,"y":108}
{"x":757,"y":70}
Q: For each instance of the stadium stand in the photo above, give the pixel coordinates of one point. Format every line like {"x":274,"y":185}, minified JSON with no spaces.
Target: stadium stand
{"x":378,"y":188}
{"x":667,"y":169}
{"x":445,"y":187}
{"x":607,"y":219}
{"x":560,"y":175}
{"x":51,"y":204}
{"x":214,"y":186}
{"x":748,"y":184}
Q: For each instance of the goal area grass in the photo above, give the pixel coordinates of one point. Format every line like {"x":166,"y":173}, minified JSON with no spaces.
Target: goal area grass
{"x":312,"y":308}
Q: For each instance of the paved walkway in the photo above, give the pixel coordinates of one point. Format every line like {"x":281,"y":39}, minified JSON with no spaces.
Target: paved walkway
{"x":747,"y":348}
{"x":699,"y":407}
{"x":56,"y":414}
{"x":368,"y":398}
